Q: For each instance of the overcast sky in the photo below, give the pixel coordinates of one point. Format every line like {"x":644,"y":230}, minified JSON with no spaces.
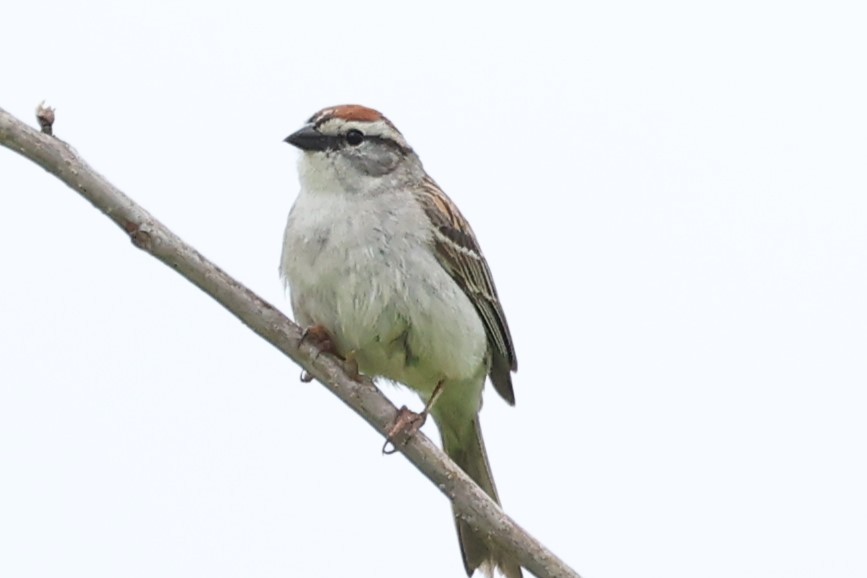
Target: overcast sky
{"x":673,"y":201}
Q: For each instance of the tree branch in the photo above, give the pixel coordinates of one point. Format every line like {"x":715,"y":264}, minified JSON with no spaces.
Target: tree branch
{"x":148,"y":234}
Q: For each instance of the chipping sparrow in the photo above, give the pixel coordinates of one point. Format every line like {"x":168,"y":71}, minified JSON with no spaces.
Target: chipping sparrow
{"x":376,"y":255}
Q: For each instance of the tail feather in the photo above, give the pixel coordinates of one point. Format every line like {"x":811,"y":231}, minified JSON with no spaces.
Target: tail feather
{"x":467,"y":449}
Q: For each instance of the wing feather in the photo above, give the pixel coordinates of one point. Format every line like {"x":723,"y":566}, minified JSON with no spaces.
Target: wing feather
{"x":459,"y":253}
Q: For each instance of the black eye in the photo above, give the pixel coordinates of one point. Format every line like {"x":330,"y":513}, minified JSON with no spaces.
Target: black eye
{"x":355,"y":137}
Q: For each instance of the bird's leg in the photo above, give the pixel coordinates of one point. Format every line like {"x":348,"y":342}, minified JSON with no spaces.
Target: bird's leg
{"x":319,"y":335}
{"x":408,"y":422}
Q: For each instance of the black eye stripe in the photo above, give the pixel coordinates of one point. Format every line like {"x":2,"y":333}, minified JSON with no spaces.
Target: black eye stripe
{"x":372,"y":138}
{"x":337,"y":141}
{"x":386,"y":141}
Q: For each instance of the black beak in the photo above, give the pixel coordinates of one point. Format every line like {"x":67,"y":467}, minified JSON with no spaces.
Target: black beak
{"x":309,"y":139}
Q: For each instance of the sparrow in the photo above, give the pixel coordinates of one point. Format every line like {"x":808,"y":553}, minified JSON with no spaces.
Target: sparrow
{"x":378,"y":258}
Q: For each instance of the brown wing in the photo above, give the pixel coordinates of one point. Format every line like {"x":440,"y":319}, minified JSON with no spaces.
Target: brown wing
{"x":458,"y":252}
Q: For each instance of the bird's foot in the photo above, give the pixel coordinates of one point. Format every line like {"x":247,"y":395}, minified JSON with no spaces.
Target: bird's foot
{"x":406,"y":424}
{"x":319,"y":336}
{"x":350,"y":365}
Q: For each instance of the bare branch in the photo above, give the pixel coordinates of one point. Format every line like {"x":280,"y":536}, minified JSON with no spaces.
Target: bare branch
{"x":148,"y":234}
{"x":45,"y":118}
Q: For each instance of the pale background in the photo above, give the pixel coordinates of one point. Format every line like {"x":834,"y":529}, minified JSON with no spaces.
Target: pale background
{"x":672,"y":197}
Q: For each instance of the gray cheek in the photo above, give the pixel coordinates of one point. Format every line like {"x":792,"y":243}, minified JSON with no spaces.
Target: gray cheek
{"x":376,"y":161}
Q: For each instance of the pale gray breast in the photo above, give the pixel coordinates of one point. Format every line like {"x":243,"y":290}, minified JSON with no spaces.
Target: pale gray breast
{"x":364,"y":268}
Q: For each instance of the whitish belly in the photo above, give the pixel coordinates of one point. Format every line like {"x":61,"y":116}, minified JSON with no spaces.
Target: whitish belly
{"x":396,"y":310}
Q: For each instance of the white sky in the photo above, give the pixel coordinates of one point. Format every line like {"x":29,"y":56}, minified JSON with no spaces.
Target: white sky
{"x":672,"y":198}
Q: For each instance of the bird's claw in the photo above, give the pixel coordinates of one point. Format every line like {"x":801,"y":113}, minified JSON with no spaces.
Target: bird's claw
{"x":406,"y":424}
{"x":320,"y":337}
